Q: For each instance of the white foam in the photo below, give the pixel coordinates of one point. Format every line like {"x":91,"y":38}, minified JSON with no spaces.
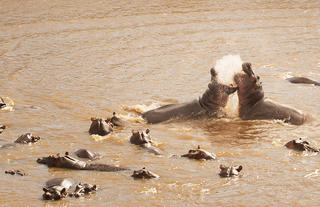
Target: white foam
{"x":227,"y":67}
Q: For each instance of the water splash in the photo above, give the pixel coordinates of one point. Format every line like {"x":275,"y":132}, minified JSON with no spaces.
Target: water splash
{"x":226,"y":68}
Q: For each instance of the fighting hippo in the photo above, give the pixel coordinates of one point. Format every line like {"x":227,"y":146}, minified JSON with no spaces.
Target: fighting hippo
{"x":300,"y":145}
{"x":252,"y":104}
{"x":57,"y":188}
{"x":100,"y":127}
{"x":73,"y":163}
{"x":144,"y":174}
{"x":229,"y":171}
{"x":210,"y":104}
{"x":303,"y":80}
{"x":2,"y":127}
{"x":143,"y":139}
{"x":15,"y":172}
{"x":23,"y":139}
{"x":200,"y":154}
{"x":84,"y":153}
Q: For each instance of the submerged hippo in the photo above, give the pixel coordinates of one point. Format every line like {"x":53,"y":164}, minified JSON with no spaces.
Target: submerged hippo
{"x":116,"y":121}
{"x":100,"y":127}
{"x":23,"y":139}
{"x":2,"y":127}
{"x":144,"y":174}
{"x":252,"y":104}
{"x":2,"y":103}
{"x":143,"y":139}
{"x":57,"y":188}
{"x":300,"y":145}
{"x":84,"y":153}
{"x":200,"y":154}
{"x":210,"y":104}
{"x":303,"y":80}
{"x":229,"y":171}
{"x":15,"y":172}
{"x":73,"y":163}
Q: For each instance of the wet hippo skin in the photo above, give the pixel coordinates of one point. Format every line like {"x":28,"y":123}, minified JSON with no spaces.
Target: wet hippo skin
{"x":302,"y":80}
{"x":252,"y":104}
{"x":208,"y":105}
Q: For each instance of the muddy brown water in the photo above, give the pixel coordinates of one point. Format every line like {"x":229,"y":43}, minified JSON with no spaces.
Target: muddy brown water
{"x":63,"y":62}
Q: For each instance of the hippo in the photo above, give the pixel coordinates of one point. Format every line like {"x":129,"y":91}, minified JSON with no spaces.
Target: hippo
{"x":57,"y":188}
{"x":300,"y":145}
{"x":253,"y":106}
{"x":84,"y":153}
{"x":144,"y":174}
{"x":73,"y":163}
{"x":100,"y":127}
{"x":210,"y":104}
{"x":2,"y":103}
{"x":23,"y":139}
{"x":143,"y":140}
{"x":229,"y":171}
{"x":116,"y":121}
{"x":199,"y":154}
{"x":15,"y":172}
{"x":2,"y":127}
{"x":303,"y":80}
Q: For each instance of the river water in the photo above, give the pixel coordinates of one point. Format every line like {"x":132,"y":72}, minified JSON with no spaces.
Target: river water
{"x":63,"y":62}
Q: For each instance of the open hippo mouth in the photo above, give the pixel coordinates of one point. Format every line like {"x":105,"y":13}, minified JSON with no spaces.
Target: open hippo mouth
{"x":247,"y":79}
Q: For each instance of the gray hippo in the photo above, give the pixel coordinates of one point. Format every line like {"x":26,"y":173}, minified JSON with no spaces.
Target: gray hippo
{"x":84,"y":153}
{"x":23,"y":139}
{"x":229,"y":171}
{"x":100,"y":126}
{"x":58,"y":188}
{"x":73,"y":163}
{"x":210,"y":104}
{"x":300,"y":145}
{"x":2,"y":127}
{"x":253,"y":106}
{"x":143,"y":140}
{"x":303,"y":80}
{"x":199,"y":154}
{"x":144,"y":174}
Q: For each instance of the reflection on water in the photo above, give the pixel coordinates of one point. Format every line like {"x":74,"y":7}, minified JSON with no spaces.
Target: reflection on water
{"x":63,"y":62}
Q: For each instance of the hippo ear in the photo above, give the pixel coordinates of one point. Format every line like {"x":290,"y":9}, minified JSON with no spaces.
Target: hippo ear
{"x":63,"y":191}
{"x":45,"y":189}
{"x":213,"y":72}
{"x":222,"y":167}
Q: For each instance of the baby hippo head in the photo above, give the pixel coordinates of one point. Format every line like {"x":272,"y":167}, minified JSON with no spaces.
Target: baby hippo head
{"x":229,"y":171}
{"x":200,"y":154}
{"x":138,"y":138}
{"x":144,"y":174}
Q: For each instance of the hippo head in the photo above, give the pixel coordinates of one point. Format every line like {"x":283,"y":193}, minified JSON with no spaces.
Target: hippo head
{"x":138,"y":138}
{"x":200,"y":154}
{"x":100,"y":126}
{"x":27,"y":138}
{"x":300,"y":145}
{"x":116,"y":121}
{"x":216,"y":96}
{"x":249,"y":86}
{"x":229,"y":171}
{"x":82,"y":189}
{"x":144,"y":174}
{"x":64,"y":162}
{"x":54,"y":193}
{"x":2,"y":103}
